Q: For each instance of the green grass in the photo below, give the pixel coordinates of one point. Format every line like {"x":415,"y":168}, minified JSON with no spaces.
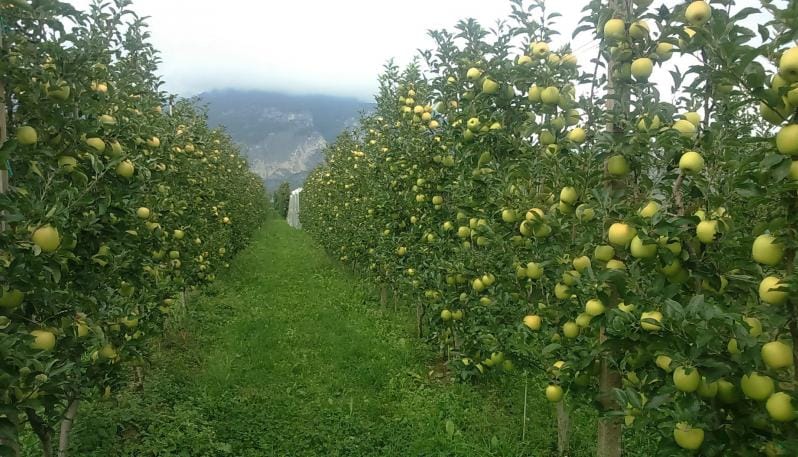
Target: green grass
{"x":290,"y":355}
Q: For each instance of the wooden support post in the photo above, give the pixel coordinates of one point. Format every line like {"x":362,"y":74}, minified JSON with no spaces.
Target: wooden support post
{"x":610,"y":429}
{"x":383,"y":296}
{"x":563,"y":429}
{"x":3,"y":134}
{"x":419,"y":318}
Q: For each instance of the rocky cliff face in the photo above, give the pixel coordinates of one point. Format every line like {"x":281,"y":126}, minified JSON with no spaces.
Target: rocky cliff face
{"x":282,"y":135}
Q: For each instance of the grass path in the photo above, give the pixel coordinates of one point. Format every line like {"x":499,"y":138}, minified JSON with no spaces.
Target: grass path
{"x":289,"y":355}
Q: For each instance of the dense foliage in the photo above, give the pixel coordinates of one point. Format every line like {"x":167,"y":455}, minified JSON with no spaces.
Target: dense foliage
{"x":114,"y":209}
{"x":572,"y":220}
{"x":282,"y":197}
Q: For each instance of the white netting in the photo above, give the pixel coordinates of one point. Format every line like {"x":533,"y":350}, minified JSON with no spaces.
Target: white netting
{"x":293,"y":209}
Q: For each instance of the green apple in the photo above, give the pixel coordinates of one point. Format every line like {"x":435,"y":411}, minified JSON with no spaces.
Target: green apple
{"x":11,"y":298}
{"x":554,"y":393}
{"x":533,"y":322}
{"x":96,"y":143}
{"x":26,"y":135}
{"x":640,"y":250}
{"x":685,"y":128}
{"x":645,"y":321}
{"x":693,"y":117}
{"x":615,"y":29}
{"x":561,"y":291}
{"x":706,"y":230}
{"x":490,"y":86}
{"x":642,"y":68}
{"x":46,"y":238}
{"x":754,"y":326}
{"x":583,"y":320}
{"x":577,"y":135}
{"x":664,"y":51}
{"x":534,"y":270}
{"x":756,"y":386}
{"x":686,"y":379}
{"x":788,"y":65}
{"x":691,"y":162}
{"x":727,"y":393}
{"x":539,"y":48}
{"x":473,"y":124}
{"x":688,"y":437}
{"x":547,"y":138}
{"x":125,"y":169}
{"x":768,"y":292}
{"x":707,"y":389}
{"x":787,"y":140}
{"x":620,"y":234}
{"x":664,"y":362}
{"x":649,"y":210}
{"x":779,"y":407}
{"x":767,"y":250}
{"x":568,"y":195}
{"x":595,"y":307}
{"x":581,"y":263}
{"x":649,"y":123}
{"x":570,"y":330}
{"x":604,"y":253}
{"x":550,"y":95}
{"x":698,"y":13}
{"x":777,"y":355}
{"x":615,"y":264}
{"x":617,"y":166}
{"x":534,"y":93}
{"x":446,"y":315}
{"x":585,"y":213}
{"x":639,"y":30}
{"x":67,"y":163}
{"x":43,"y":340}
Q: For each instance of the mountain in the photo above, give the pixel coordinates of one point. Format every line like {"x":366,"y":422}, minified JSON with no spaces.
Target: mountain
{"x":282,"y":135}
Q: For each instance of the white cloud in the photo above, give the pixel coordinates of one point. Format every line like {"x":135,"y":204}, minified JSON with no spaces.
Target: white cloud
{"x":309,"y":46}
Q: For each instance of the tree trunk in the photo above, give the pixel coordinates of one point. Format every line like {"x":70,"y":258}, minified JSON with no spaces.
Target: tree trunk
{"x":610,"y":434}
{"x":609,"y":427}
{"x":563,"y":429}
{"x":609,"y":443}
{"x":384,"y":296}
{"x":4,"y":185}
{"x":138,"y":378}
{"x":42,"y":431}
{"x":66,"y":427}
{"x":419,"y":319}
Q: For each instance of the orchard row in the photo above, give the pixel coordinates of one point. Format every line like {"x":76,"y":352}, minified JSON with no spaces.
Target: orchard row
{"x":567,"y":220}
{"x":114,"y":210}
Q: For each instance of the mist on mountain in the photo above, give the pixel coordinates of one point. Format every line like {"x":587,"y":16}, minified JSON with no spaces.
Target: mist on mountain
{"x":283,"y":135}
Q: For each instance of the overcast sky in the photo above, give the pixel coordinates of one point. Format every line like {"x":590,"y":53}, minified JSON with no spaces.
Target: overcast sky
{"x":335,"y":47}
